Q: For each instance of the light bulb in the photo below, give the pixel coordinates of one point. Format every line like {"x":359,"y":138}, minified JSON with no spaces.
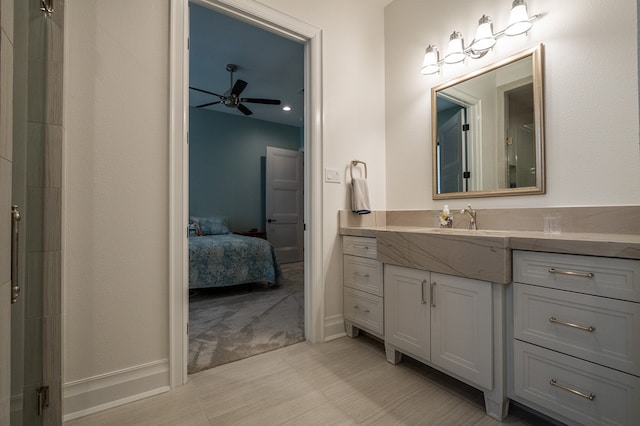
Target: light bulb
{"x":455,"y":50}
{"x":484,"y":35}
{"x":430,"y":63}
{"x":519,"y":19}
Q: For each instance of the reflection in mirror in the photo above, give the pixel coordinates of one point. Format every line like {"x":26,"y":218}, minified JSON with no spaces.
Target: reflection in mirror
{"x":488,"y":131}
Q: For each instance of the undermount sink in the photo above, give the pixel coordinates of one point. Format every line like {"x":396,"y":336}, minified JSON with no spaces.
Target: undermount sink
{"x":477,"y":254}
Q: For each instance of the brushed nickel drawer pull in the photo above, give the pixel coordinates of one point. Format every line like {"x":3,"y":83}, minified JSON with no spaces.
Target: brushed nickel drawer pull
{"x":432,"y":293}
{"x":366,"y":311}
{"x":590,"y":396}
{"x":360,"y":246}
{"x":422,"y":285}
{"x":572,"y":273}
{"x":358,"y":274}
{"x":590,"y":329}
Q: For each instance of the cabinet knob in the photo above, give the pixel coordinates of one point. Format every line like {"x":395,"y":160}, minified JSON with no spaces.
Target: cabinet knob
{"x":366,"y":311}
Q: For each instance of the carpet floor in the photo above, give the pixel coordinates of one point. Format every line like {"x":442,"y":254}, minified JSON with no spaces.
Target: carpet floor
{"x":231,"y":323}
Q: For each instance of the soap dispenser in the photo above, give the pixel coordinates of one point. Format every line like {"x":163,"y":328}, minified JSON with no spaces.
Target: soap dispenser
{"x":446,"y":220}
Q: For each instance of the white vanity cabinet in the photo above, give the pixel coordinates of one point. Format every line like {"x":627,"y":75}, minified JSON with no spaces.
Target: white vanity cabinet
{"x":576,"y":337}
{"x":442,"y":320}
{"x":362,"y":286}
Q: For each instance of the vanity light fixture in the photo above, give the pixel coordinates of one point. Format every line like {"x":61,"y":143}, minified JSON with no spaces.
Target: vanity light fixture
{"x":485,"y":39}
{"x":455,"y":50}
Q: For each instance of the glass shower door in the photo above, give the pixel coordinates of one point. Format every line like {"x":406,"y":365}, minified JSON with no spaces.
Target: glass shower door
{"x":36,"y":381}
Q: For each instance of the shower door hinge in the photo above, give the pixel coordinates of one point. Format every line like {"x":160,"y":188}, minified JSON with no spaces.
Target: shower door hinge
{"x":465,"y":127}
{"x":43,"y":398}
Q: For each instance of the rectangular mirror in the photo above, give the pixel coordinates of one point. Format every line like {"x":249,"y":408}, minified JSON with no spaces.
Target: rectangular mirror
{"x":488,"y":130}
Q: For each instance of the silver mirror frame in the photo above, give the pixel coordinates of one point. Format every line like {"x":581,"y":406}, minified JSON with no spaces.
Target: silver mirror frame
{"x":537,"y":56}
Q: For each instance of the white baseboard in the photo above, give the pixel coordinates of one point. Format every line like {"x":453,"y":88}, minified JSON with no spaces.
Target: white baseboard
{"x":334,"y":327}
{"x":88,"y":396}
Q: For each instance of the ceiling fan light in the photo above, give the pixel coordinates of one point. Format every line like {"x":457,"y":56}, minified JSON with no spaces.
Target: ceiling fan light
{"x":455,"y":50}
{"x":484,"y":39}
{"x":519,"y":21}
{"x":430,"y":63}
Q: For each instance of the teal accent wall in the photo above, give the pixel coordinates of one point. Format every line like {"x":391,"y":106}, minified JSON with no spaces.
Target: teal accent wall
{"x":227,"y":165}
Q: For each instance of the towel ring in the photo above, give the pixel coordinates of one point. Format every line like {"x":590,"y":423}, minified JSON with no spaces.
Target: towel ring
{"x":355,"y":163}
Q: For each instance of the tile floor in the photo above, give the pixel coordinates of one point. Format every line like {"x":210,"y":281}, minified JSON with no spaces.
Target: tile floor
{"x":345,"y":381}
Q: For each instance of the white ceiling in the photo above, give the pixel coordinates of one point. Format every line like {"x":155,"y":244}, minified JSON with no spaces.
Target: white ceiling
{"x":273,"y":66}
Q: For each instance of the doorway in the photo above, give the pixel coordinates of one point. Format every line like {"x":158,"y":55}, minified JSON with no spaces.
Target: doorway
{"x":290,"y":27}
{"x":230,"y":138}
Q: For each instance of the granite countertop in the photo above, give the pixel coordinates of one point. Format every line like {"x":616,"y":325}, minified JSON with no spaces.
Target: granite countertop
{"x":625,"y":246}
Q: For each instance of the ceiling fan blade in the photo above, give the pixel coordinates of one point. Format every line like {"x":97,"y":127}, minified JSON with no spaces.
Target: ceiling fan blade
{"x":244,"y":109}
{"x":208,"y":104}
{"x":261,"y":101}
{"x":238,"y":87}
{"x":205,"y":91}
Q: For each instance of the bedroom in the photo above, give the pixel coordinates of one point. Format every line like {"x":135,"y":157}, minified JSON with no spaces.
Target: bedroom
{"x":254,"y":303}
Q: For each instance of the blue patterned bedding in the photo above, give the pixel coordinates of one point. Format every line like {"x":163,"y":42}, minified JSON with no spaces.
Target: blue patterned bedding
{"x":230,"y":259}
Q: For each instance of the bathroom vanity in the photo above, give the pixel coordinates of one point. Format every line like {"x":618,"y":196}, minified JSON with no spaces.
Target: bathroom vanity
{"x":576,"y":336}
{"x":552,"y":322}
{"x":363,"y":291}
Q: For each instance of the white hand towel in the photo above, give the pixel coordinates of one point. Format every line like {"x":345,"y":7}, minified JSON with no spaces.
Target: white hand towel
{"x":360,"y":196}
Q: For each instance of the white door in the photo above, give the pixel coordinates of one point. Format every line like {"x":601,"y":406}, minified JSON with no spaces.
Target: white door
{"x":284,"y":203}
{"x":451,"y":154}
{"x":461,"y":327}
{"x":406,"y":310}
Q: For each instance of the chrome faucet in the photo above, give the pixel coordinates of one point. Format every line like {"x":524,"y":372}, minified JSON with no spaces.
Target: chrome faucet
{"x":473,"y":224}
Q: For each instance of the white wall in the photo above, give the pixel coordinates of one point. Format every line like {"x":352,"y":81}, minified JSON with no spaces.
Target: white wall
{"x":116,"y":158}
{"x":117,"y":168}
{"x":353,"y":111}
{"x":591,"y":97}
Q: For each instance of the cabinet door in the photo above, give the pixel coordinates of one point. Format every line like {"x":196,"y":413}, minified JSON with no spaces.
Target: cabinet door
{"x":461,"y":327}
{"x":406,"y":310}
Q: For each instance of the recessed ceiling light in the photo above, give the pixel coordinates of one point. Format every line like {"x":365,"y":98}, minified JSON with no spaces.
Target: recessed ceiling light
{"x":286,"y":108}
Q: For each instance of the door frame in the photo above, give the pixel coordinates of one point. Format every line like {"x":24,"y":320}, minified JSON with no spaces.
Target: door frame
{"x":275,"y":21}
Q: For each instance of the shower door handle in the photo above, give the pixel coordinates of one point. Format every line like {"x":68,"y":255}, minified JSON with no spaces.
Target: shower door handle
{"x":15,"y":252}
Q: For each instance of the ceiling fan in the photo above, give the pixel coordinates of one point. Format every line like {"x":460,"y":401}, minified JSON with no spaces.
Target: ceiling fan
{"x":231,"y":97}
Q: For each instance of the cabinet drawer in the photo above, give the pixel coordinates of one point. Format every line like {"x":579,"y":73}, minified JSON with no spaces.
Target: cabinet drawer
{"x":616,"y":278}
{"x":360,"y":246}
{"x":615,"y":394}
{"x":364,"y":309}
{"x":561,"y":320}
{"x":363,"y":274}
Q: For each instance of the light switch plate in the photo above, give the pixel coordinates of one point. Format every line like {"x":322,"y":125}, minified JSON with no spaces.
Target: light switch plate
{"x":332,"y":175}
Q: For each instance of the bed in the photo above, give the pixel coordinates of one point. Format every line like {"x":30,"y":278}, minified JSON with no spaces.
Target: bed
{"x":218,"y":258}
